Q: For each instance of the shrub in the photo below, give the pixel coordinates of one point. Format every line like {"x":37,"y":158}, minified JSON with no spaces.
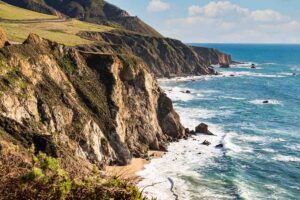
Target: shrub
{"x":45,"y":179}
{"x":33,"y":174}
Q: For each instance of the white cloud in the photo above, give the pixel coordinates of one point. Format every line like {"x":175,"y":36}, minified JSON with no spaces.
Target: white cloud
{"x":267,"y":16}
{"x":194,"y":10}
{"x":223,"y":21}
{"x":157,"y":6}
{"x":219,"y":9}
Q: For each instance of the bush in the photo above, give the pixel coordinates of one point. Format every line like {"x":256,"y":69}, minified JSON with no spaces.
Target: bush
{"x":33,"y":174}
{"x":45,"y":179}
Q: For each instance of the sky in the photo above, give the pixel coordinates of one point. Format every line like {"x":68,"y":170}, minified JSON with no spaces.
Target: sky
{"x":220,"y":21}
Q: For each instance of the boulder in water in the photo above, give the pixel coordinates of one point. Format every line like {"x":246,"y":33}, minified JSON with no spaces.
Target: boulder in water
{"x":219,"y":146}
{"x":187,"y":131}
{"x":207,"y":143}
{"x":203,"y":129}
{"x":224,"y":65}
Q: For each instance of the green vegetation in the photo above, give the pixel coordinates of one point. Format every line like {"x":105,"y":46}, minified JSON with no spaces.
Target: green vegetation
{"x":67,"y":66}
{"x":47,"y":171}
{"x":10,"y":77}
{"x":64,"y":32}
{"x":35,"y":173}
{"x":42,"y":177}
{"x":61,"y":32}
{"x":15,"y":13}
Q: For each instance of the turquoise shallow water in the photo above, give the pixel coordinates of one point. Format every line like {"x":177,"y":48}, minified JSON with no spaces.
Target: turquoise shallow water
{"x":261,"y":154}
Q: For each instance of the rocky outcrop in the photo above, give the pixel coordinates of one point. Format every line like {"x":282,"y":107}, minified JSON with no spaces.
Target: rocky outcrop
{"x":80,"y":106}
{"x":203,"y":129}
{"x":3,"y":38}
{"x":165,"y":57}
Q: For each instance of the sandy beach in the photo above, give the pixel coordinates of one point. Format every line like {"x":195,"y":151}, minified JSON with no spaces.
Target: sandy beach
{"x":130,"y":171}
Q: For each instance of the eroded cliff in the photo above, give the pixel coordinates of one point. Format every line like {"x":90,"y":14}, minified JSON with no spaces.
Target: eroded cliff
{"x":213,"y":56}
{"x":83,"y":107}
{"x":166,"y":57}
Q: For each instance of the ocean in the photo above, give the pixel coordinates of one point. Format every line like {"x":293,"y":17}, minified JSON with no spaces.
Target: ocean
{"x":261,"y":154}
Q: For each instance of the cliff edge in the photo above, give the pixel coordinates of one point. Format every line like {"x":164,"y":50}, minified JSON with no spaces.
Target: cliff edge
{"x":100,"y":109}
{"x":166,"y":57}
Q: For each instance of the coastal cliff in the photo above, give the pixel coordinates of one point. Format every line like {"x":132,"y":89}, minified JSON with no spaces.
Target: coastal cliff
{"x":213,"y":56}
{"x":166,"y":57}
{"x":102,"y":109}
{"x":68,"y":112}
{"x":129,"y":35}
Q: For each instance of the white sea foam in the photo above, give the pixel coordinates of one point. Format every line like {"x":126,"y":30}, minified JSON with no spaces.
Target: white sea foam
{"x":179,"y":93}
{"x":184,"y":79}
{"x":296,"y":68}
{"x":233,"y":98}
{"x":234,"y":148}
{"x":269,"y":63}
{"x":246,"y":191}
{"x":178,"y":162}
{"x":286,"y":158}
{"x":270,"y":101}
{"x":278,"y":140}
{"x":295,"y":147}
{"x":247,"y":73}
{"x":286,"y":74}
{"x":269,"y":150}
{"x":181,"y":160}
{"x":252,"y":138}
{"x":246,"y":65}
{"x":191,"y":117}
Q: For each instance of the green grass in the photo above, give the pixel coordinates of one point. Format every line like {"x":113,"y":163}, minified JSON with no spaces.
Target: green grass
{"x":61,"y":32}
{"x":14,"y":13}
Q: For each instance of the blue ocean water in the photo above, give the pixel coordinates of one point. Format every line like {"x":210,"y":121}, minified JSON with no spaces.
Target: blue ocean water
{"x":261,"y":154}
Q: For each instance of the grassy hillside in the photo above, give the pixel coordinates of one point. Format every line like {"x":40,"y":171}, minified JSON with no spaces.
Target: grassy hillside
{"x":60,"y":31}
{"x":14,"y":13}
{"x":93,"y":11}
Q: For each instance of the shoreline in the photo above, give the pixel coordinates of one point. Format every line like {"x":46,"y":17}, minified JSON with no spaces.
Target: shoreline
{"x":129,"y":172}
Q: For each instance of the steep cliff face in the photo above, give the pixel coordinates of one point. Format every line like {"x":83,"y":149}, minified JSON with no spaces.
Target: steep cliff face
{"x":213,"y":56}
{"x":165,"y":57}
{"x":94,"y":11}
{"x":85,"y":107}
